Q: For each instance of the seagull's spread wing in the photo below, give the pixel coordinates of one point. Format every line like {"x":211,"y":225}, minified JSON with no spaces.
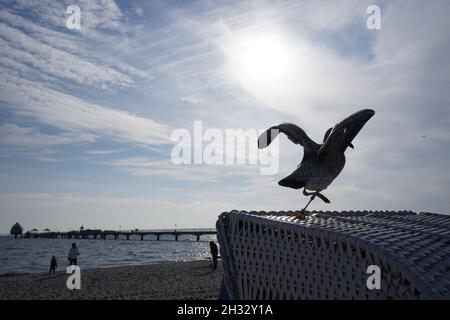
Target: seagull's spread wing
{"x":293,"y":132}
{"x":338,"y":138}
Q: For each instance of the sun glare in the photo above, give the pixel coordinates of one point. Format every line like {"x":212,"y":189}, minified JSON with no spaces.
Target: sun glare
{"x":262,"y":57}
{"x":262,"y":63}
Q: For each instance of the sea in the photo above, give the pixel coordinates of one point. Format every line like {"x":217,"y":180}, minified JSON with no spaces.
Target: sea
{"x":34,"y":254}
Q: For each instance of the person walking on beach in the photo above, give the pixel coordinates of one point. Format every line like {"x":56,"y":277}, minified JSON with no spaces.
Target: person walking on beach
{"x":53,"y":265}
{"x":214,"y":253}
{"x":73,"y":254}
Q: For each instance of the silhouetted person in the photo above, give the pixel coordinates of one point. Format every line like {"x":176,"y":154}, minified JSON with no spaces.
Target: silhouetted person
{"x":214,"y":253}
{"x":53,"y":265}
{"x":73,"y":254}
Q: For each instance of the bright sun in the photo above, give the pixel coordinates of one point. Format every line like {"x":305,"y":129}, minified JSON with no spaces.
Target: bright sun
{"x":264,"y":57}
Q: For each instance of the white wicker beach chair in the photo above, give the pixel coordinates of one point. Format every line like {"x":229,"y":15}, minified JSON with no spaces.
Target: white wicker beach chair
{"x":272,"y":255}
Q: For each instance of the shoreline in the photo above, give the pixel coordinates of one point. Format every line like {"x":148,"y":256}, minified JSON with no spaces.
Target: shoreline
{"x":61,"y":270}
{"x":160,"y":281}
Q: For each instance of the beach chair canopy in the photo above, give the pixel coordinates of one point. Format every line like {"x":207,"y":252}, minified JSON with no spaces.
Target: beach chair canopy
{"x":335,"y":255}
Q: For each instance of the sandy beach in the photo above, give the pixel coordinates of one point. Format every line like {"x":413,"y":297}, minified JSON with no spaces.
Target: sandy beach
{"x":176,"y":280}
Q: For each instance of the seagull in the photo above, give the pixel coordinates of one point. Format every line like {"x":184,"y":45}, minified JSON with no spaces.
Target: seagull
{"x":321,"y":163}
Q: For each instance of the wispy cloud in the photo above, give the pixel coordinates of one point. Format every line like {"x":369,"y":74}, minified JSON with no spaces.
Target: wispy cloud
{"x":191,"y":99}
{"x":103,"y":152}
{"x":68,"y":113}
{"x":47,"y":60}
{"x":148,"y":167}
{"x":98,"y":15}
{"x":38,"y":64}
{"x":30,"y":137}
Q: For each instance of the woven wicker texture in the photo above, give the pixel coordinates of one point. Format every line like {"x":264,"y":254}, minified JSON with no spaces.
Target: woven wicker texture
{"x":272,"y":255}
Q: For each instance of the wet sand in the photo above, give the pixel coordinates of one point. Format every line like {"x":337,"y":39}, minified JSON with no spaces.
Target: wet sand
{"x":176,"y":280}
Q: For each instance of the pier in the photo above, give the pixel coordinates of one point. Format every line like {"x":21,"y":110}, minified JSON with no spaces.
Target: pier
{"x":124,"y":234}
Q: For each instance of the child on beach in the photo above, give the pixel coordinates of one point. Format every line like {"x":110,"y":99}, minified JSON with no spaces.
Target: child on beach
{"x":53,"y":265}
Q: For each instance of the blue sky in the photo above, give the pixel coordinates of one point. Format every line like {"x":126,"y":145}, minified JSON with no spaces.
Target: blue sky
{"x":86,"y":115}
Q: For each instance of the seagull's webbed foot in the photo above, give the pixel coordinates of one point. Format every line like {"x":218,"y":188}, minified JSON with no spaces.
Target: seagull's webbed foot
{"x":322,"y":197}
